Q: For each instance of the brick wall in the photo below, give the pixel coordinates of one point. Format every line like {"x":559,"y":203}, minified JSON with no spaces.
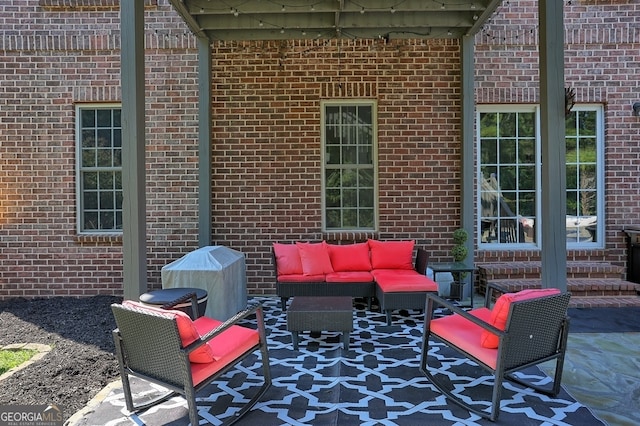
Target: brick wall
{"x":602,"y":64}
{"x":266,"y":125}
{"x":53,"y":57}
{"x":266,"y":141}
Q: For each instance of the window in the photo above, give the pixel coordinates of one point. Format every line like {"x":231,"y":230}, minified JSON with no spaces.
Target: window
{"x":99,"y":179}
{"x":509,"y":184}
{"x":349,"y":180}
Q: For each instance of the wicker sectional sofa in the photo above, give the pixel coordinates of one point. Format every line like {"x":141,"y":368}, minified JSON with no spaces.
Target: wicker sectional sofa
{"x":381,"y":269}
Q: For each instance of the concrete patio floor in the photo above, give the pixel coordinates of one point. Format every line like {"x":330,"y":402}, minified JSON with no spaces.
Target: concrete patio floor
{"x":602,"y":371}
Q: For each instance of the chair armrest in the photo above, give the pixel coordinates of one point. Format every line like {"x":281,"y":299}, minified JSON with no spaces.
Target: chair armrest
{"x":252,"y":308}
{"x":435,"y":300}
{"x":490,"y":294}
{"x":184,"y":298}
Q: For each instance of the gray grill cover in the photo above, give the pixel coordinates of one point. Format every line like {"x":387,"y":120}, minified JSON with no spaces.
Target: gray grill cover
{"x":219,"y":270}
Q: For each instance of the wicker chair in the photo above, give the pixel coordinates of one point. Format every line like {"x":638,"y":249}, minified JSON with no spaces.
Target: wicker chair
{"x":149,"y":344}
{"x":536,"y":331}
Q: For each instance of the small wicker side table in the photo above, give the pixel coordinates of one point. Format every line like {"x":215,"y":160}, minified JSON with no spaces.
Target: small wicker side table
{"x":325,"y":313}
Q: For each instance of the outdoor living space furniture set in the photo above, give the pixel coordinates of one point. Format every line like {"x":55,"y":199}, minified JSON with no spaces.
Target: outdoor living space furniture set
{"x":184,"y":353}
{"x":381,"y":269}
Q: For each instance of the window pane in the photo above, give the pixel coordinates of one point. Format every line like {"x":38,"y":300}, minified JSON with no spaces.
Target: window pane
{"x":507,"y":125}
{"x":527,"y":151}
{"x":526,"y":178}
{"x":349,"y":178}
{"x":103,"y":118}
{"x":90,"y":180}
{"x":333,"y":218}
{"x":366,"y":218}
{"x":526,"y":125}
{"x":349,"y":155}
{"x":507,"y":151}
{"x":107,"y":200}
{"x":489,"y":151}
{"x":88,"y":118}
{"x":333,"y":198}
{"x":90,"y":220}
{"x":366,"y":178}
{"x":104,"y":158}
{"x":90,"y":200}
{"x":333,"y":178}
{"x":350,"y":198}
{"x":350,"y":218}
{"x":489,"y":125}
{"x":366,"y":198}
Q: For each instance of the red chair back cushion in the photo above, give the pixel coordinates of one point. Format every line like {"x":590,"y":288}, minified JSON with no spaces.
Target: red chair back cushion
{"x":500,"y":311}
{"x":186,"y":329}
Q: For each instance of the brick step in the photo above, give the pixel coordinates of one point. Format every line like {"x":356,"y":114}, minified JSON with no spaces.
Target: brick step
{"x":604,"y":302}
{"x":490,"y":272}
{"x":587,"y":293}
{"x":579,"y":287}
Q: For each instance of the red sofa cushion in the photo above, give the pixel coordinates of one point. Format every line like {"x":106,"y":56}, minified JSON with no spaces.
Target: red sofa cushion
{"x":315,"y":258}
{"x":350,"y":277}
{"x":186,"y":328}
{"x":301,"y":278}
{"x":287,"y":259}
{"x":500,"y":311}
{"x":391,"y":254}
{"x":390,"y":282}
{"x":350,"y":257}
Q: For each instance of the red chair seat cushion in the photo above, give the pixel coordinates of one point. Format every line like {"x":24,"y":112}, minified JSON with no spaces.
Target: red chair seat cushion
{"x":391,"y":254}
{"x":287,"y":259}
{"x":500,"y":311}
{"x":224,"y":348}
{"x":315,"y":258}
{"x":350,"y":257}
{"x":350,"y":277}
{"x":186,"y":328}
{"x":463,"y":333}
{"x":391,"y":282}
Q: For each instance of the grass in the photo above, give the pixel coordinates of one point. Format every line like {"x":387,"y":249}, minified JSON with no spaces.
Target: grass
{"x":13,"y":358}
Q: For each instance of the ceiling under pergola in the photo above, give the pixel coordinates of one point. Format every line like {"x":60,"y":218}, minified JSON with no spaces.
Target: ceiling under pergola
{"x":327,"y":19}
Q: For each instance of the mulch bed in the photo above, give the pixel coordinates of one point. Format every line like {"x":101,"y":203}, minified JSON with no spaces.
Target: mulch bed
{"x":81,"y":361}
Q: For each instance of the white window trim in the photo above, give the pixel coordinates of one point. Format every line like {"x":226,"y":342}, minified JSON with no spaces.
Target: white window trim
{"x":374,"y":119}
{"x":600,"y":161}
{"x":78,"y":142}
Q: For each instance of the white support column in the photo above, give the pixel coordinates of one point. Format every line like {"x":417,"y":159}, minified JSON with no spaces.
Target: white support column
{"x":204,"y":142}
{"x":552,"y":114}
{"x":134,"y":247}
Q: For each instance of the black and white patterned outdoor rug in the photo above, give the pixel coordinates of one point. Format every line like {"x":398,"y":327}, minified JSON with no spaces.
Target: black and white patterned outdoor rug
{"x":376,"y":382}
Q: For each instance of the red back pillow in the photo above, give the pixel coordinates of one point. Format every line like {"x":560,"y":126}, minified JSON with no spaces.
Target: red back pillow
{"x":350,"y":257}
{"x":500,"y":311}
{"x":315,"y":258}
{"x":391,"y":254}
{"x":287,"y":259}
{"x":186,"y":329}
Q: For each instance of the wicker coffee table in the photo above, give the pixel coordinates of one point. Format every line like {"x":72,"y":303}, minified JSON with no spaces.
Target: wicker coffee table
{"x":320,"y":314}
